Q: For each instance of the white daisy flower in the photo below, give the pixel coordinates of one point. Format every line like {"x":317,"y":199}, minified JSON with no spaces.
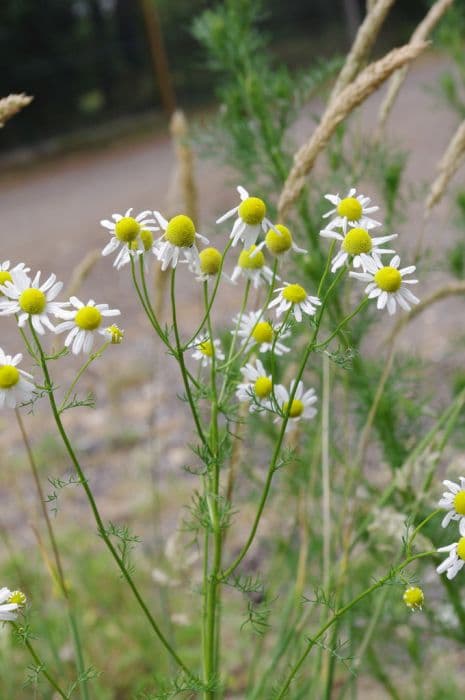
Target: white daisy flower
{"x":455,"y":560}
{"x":256,"y":387}
{"x":350,"y":210}
{"x":204,"y":350}
{"x":133,"y":235}
{"x":387,"y":283}
{"x":208,"y":265}
{"x":251,"y":219}
{"x":251,"y":265}
{"x":82,"y":322}
{"x":279,"y":242}
{"x":16,"y":385}
{"x":302,"y":405}
{"x":5,"y":272}
{"x":356,"y":243}
{"x":453,"y":501}
{"x":294,"y":296}
{"x":179,"y":236}
{"x":10,"y":603}
{"x":31,"y":300}
{"x":254,"y":329}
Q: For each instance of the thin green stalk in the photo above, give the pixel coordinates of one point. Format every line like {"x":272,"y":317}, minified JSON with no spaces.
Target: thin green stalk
{"x":40,"y":664}
{"x":344,"y":321}
{"x":100,"y":526}
{"x":148,"y":309}
{"x":81,"y":371}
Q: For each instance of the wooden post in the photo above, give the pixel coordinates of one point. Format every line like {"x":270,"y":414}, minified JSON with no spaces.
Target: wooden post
{"x":158,"y":55}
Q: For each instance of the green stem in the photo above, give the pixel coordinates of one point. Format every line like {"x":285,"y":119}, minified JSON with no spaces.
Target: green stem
{"x":40,"y":664}
{"x":345,"y":320}
{"x":86,"y":364}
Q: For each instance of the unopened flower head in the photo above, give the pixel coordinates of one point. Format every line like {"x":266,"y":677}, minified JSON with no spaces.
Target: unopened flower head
{"x":210,"y":261}
{"x":350,"y":211}
{"x":82,"y":322}
{"x":255,"y":330}
{"x":455,"y":559}
{"x":114,"y":333}
{"x":10,"y":604}
{"x":179,"y":236}
{"x":251,"y":219}
{"x":16,"y":386}
{"x":256,"y":387}
{"x":453,"y":501}
{"x":354,"y":244}
{"x":131,"y":235}
{"x":279,"y":241}
{"x":30,"y":300}
{"x":6,"y":270}
{"x":294,"y":297}
{"x":386,"y":283}
{"x":414,"y":598}
{"x":251,"y":265}
{"x":301,"y":406}
{"x":205,"y":349}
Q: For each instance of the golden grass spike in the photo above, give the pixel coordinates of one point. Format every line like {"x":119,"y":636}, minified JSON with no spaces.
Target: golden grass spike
{"x":421,"y":33}
{"x":447,"y":167}
{"x":82,"y":271}
{"x":12,"y":104}
{"x":185,"y":163}
{"x":366,"y":83}
{"x":363,"y":43}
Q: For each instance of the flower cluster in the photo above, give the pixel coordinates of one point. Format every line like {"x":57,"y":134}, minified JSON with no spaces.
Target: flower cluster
{"x":453,"y":500}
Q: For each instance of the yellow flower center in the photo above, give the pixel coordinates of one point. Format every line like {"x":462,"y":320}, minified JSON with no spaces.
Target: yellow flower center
{"x":32,"y":301}
{"x":295,"y":410}
{"x":88,"y":318}
{"x":294,"y":293}
{"x":210,"y":261}
{"x":146,"y":237}
{"x":263,"y":387}
{"x":459,"y":503}
{"x":116,"y":334}
{"x":9,"y":376}
{"x":206,"y":348}
{"x":388,"y":279}
{"x":251,"y":262}
{"x":252,"y":210}
{"x":180,"y":231}
{"x":278,"y":243}
{"x":263,"y":332}
{"x":357,"y":241}
{"x":350,"y":208}
{"x":17,"y":597}
{"x":4,"y":277}
{"x":127,"y":229}
{"x":461,"y":548}
{"x":414,"y":598}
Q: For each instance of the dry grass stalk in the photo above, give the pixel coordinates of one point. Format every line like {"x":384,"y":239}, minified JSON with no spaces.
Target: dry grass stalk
{"x":12,"y":104}
{"x":366,"y":83}
{"x":185,"y":163}
{"x":363,"y":43}
{"x":421,"y":33}
{"x":448,"y":166}
{"x":82,"y":271}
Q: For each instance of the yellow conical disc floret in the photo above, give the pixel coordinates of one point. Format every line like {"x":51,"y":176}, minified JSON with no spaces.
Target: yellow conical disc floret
{"x":127,"y":229}
{"x":17,"y":597}
{"x":263,"y":332}
{"x":180,"y":231}
{"x":296,"y":409}
{"x":4,"y":277}
{"x":88,"y":318}
{"x":251,"y":262}
{"x":206,"y":348}
{"x":461,"y":548}
{"x":294,"y":293}
{"x":32,"y":301}
{"x":278,"y":243}
{"x":459,"y":502}
{"x":263,"y":386}
{"x":146,"y":237}
{"x":210,"y":261}
{"x":414,"y":598}
{"x":388,"y":279}
{"x":9,"y":376}
{"x":252,"y":210}
{"x":116,"y":334}
{"x":350,"y":208}
{"x":357,"y":241}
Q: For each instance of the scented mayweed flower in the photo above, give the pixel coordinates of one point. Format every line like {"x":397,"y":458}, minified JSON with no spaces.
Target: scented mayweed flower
{"x":295,"y":297}
{"x":179,"y":236}
{"x":29,"y":300}
{"x":5,"y":272}
{"x":453,"y":501}
{"x":253,"y":330}
{"x":82,"y":323}
{"x":456,"y":559}
{"x":251,"y":219}
{"x":251,"y":265}
{"x":301,"y":406}
{"x":356,"y":243}
{"x":204,"y":349}
{"x":15,"y":384}
{"x":114,"y":334}
{"x":10,"y":603}
{"x":209,"y":264}
{"x":133,"y":235}
{"x":350,"y":211}
{"x":256,"y":387}
{"x":414,"y":598}
{"x":387,"y":283}
{"x":279,"y":241}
